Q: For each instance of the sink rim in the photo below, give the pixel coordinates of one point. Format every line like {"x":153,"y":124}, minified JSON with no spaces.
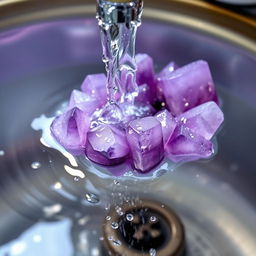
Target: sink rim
{"x":196,"y":15}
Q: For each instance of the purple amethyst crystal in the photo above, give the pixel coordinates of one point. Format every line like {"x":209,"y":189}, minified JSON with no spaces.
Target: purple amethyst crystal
{"x":145,"y":139}
{"x":168,"y":124}
{"x":83,"y":101}
{"x":167,"y":70}
{"x":204,"y":119}
{"x":187,"y":87}
{"x":145,"y":73}
{"x":106,"y":145}
{"x":185,"y":145}
{"x":95,"y":86}
{"x":70,"y":130}
{"x":145,"y":69}
{"x":144,"y":95}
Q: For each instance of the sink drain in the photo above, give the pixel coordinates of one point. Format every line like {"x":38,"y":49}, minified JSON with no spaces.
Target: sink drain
{"x":143,"y":228}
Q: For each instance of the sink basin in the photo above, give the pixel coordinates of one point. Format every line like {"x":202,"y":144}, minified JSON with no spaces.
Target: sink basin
{"x":46,"y":51}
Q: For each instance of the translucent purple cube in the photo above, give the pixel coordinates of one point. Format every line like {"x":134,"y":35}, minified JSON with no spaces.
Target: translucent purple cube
{"x":83,"y":101}
{"x":168,"y":124}
{"x":204,"y":119}
{"x":70,"y":130}
{"x":145,"y":72}
{"x":95,"y":86}
{"x":185,"y":146}
{"x":165,"y":72}
{"x":145,"y":139}
{"x":145,"y":69}
{"x":144,"y":95}
{"x":188,"y":86}
{"x":107,"y":145}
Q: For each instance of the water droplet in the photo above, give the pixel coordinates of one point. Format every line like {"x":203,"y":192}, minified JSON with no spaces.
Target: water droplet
{"x":119,"y":210}
{"x":35,"y":165}
{"x":92,"y":198}
{"x":153,"y":219}
{"x":101,"y":238}
{"x":108,"y":218}
{"x":76,"y":179}
{"x":107,"y":206}
{"x":114,"y":225}
{"x":57,"y":185}
{"x":117,"y":242}
{"x":2,"y":153}
{"x":152,"y":252}
{"x":129,"y":217}
{"x":116,"y":182}
{"x":51,"y":210}
{"x":110,"y":238}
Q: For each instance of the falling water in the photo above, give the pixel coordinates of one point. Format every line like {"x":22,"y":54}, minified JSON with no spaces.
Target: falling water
{"x":118,"y":34}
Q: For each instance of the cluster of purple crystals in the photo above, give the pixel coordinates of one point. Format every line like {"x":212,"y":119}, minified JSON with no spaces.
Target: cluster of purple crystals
{"x":181,"y":130}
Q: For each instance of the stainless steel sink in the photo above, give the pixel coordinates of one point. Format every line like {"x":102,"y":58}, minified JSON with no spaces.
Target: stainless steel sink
{"x":45,"y":51}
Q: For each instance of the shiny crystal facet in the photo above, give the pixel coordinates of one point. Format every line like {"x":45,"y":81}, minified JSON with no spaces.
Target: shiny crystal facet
{"x":146,"y":142}
{"x":188,"y":86}
{"x":70,"y":130}
{"x":95,"y":86}
{"x":145,"y":69}
{"x":83,"y":101}
{"x":204,"y":119}
{"x":185,"y":145}
{"x":107,"y":145}
{"x":167,"y":70}
{"x":145,"y":73}
{"x":168,"y":124}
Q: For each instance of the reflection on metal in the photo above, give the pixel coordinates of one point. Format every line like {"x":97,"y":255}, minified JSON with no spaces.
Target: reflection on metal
{"x":198,"y":15}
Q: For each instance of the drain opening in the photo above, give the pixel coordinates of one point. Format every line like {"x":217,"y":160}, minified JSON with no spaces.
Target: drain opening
{"x":147,"y":230}
{"x":143,"y":228}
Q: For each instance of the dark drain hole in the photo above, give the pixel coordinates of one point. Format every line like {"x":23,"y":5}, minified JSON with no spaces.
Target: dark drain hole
{"x":147,"y":230}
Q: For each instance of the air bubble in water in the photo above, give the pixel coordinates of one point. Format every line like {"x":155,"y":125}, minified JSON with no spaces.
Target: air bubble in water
{"x":153,"y":219}
{"x":35,"y":165}
{"x":114,"y":225}
{"x":92,"y":198}
{"x":152,"y":252}
{"x":2,"y":153}
{"x":129,"y":217}
{"x":119,"y":210}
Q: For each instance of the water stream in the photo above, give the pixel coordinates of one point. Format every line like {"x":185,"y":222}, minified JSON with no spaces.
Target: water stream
{"x":118,"y":44}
